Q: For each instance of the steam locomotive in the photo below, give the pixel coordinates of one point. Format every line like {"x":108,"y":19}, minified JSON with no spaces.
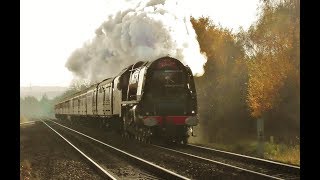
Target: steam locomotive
{"x":146,"y":100}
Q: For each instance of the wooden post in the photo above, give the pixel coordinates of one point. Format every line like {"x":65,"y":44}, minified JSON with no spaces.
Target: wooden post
{"x":271,"y":139}
{"x":260,"y":135}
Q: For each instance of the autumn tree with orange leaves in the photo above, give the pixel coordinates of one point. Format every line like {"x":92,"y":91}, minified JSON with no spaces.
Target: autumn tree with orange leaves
{"x":273,"y":60}
{"x":274,"y":44}
{"x":222,"y":89}
{"x":251,"y":74}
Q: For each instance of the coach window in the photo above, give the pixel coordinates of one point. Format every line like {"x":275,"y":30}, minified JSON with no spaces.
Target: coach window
{"x":101,"y":100}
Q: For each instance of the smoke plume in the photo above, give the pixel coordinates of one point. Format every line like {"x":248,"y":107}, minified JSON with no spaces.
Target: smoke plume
{"x":148,"y":30}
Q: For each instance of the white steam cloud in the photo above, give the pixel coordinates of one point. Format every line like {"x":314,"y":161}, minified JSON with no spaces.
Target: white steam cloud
{"x":150,"y":30}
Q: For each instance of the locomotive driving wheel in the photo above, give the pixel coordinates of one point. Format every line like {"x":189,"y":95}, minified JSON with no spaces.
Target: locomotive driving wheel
{"x":125,"y":124}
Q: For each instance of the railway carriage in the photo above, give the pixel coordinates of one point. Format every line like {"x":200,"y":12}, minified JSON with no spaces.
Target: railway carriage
{"x":145,"y":100}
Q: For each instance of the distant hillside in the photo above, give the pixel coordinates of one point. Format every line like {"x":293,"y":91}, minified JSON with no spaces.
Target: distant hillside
{"x":39,"y":91}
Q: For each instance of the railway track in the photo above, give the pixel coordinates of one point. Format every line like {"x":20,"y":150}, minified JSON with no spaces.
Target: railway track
{"x":242,"y":166}
{"x":260,"y":167}
{"x":144,"y":169}
{"x":274,"y":168}
{"x":104,"y":172}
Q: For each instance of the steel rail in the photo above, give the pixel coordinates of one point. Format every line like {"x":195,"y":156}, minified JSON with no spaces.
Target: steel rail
{"x":106,"y":173}
{"x":160,"y":170}
{"x":221,"y":163}
{"x":264,"y":162}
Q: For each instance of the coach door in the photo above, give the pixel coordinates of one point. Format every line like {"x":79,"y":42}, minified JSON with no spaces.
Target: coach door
{"x":89,"y":102}
{"x":85,"y":104}
{"x":78,"y":99}
{"x":107,"y":100}
{"x":94,"y":102}
{"x":100,"y":100}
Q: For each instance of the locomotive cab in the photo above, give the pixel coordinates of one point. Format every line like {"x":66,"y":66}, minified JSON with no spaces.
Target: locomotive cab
{"x":169,"y":89}
{"x":169,"y":98}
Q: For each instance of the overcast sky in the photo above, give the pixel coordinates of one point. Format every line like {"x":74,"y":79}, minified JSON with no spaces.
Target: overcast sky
{"x":50,"y":30}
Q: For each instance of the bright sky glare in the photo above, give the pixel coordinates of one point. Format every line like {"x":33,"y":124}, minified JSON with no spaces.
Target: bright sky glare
{"x":50,"y":30}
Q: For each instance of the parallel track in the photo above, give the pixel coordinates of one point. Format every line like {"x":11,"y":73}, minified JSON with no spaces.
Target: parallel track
{"x":160,"y":171}
{"x":232,"y":162}
{"x":279,"y":167}
{"x":275,"y":173}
